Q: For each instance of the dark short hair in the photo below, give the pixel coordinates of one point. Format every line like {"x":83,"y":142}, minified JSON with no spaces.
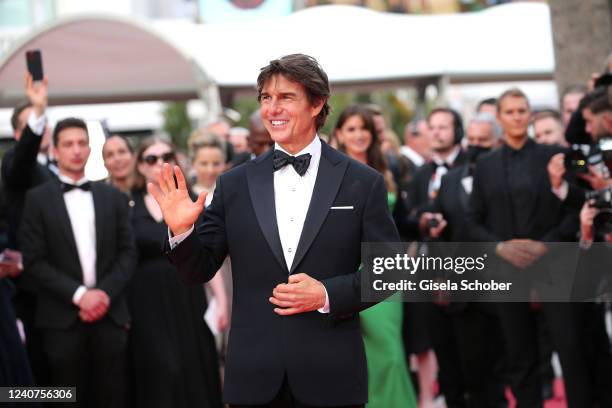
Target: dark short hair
{"x":15,"y":116}
{"x":590,"y":98}
{"x":597,"y":100}
{"x":546,"y":113}
{"x":67,"y":124}
{"x":304,"y":70}
{"x":487,"y":101}
{"x":512,"y":93}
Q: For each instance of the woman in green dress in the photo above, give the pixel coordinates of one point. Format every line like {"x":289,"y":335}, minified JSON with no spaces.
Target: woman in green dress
{"x":381,"y":325}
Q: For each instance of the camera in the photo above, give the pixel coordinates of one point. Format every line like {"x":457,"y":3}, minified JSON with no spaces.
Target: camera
{"x":578,"y":157}
{"x":600,"y":198}
{"x":433,"y":222}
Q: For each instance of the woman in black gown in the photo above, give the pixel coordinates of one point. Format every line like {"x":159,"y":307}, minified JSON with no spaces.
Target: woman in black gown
{"x":174,"y":360}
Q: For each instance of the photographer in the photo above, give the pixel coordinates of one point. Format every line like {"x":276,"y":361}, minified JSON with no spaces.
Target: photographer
{"x":592,"y":168}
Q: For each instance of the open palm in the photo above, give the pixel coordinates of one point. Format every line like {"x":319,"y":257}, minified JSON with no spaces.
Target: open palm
{"x":178,"y":210}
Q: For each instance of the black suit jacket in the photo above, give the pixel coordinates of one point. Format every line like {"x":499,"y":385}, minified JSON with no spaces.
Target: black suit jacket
{"x":453,"y":202}
{"x":490,"y":217}
{"x":322,"y":355}
{"x":20,"y":172}
{"x":51,"y":257}
{"x":418,"y":200}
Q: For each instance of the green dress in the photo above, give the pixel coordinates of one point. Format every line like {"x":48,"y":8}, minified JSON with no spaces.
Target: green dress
{"x":389,"y":383}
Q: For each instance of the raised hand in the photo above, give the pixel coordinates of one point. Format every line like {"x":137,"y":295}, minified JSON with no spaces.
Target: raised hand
{"x":178,"y":210}
{"x":37,"y":93}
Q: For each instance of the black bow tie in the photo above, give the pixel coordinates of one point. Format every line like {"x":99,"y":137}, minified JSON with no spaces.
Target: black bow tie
{"x":443,"y":164}
{"x":300,"y":163}
{"x":66,"y":187}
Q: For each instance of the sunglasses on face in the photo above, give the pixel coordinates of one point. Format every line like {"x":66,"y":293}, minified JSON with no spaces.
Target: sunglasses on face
{"x":152,"y":159}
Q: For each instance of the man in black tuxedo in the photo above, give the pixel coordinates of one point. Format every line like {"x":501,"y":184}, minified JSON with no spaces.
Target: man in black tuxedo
{"x":78,"y":247}
{"x":292,"y":221}
{"x":513,"y":205}
{"x":21,"y":171}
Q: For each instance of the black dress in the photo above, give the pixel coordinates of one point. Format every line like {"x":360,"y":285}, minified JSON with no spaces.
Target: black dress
{"x":173,"y":356}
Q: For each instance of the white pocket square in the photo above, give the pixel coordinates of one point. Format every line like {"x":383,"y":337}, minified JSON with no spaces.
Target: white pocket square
{"x":343,"y":207}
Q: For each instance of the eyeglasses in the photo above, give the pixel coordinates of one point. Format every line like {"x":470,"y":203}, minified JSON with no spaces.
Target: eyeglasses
{"x":152,"y":159}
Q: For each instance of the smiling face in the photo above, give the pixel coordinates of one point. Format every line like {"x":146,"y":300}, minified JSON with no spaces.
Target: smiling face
{"x":287,"y":113}
{"x":118,"y":159}
{"x":355,"y":136}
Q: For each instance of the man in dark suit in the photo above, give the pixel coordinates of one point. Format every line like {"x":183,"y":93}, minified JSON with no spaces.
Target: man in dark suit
{"x":513,"y":205}
{"x":446,"y":132}
{"x":21,"y":171}
{"x":292,"y":221}
{"x":467,"y":329}
{"x":79,"y":249}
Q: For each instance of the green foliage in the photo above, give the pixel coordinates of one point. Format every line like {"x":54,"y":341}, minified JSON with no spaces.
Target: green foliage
{"x":177,"y":123}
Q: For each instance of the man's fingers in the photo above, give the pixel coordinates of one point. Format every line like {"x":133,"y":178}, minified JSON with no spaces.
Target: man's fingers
{"x":298,"y":277}
{"x":161,"y":183}
{"x":281,"y":303}
{"x":284,"y":296}
{"x":201,"y":199}
{"x":168,"y":178}
{"x":287,"y":312}
{"x":284,"y":287}
{"x":155,"y":192}
{"x":180,"y":178}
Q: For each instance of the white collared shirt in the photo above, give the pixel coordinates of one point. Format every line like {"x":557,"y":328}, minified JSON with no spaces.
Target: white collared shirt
{"x":434,"y":183}
{"x":80,"y":207}
{"x":292,"y":195}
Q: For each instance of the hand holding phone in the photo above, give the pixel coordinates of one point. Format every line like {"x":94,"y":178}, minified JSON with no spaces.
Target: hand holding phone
{"x":34,"y":62}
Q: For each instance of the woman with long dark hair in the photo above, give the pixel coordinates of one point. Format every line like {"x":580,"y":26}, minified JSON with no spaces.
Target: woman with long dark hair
{"x":388,"y":376}
{"x":173,"y":354}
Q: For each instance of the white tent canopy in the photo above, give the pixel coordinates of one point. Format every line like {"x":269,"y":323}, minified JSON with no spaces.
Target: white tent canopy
{"x":91,"y":59}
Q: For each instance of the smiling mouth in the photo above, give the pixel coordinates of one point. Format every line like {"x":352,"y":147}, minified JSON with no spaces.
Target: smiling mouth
{"x":278,"y":123}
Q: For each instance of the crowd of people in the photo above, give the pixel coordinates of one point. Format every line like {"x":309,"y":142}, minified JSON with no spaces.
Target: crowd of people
{"x":89,"y":299}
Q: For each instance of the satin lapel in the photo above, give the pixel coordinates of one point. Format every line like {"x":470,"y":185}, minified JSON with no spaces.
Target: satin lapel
{"x":260,"y":177}
{"x":62,"y":218}
{"x":332,"y":167}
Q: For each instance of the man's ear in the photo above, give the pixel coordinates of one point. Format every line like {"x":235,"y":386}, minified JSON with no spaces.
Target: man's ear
{"x":318,"y":106}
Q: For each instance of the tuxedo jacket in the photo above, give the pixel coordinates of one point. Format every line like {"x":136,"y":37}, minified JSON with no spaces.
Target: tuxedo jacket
{"x":20,"y":172}
{"x":418,"y":192}
{"x":321,"y":355}
{"x":52,"y":260}
{"x":453,"y":202}
{"x":491,"y":217}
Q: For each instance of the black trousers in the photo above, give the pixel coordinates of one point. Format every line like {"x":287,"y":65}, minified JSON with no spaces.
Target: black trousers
{"x":578,"y":335}
{"x":285,"y":399}
{"x":92,"y":357}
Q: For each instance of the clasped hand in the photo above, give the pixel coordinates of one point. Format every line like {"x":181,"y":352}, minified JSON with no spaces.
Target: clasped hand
{"x":94,"y":305}
{"x":301,"y":294}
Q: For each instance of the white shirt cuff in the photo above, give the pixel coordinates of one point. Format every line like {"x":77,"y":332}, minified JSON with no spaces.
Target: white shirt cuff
{"x":78,"y":294}
{"x":37,"y":125}
{"x":325,"y":308}
{"x":174,"y":241}
{"x":561,"y":191}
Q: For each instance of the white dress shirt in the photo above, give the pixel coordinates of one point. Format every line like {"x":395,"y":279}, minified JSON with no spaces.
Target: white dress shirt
{"x":434,"y":183}
{"x":292,"y":195}
{"x":80,"y":207}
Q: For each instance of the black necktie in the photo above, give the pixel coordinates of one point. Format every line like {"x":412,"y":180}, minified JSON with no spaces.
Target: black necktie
{"x":66,"y":187}
{"x":300,"y":163}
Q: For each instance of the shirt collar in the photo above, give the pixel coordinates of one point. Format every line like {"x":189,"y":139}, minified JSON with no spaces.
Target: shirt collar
{"x":68,"y":180}
{"x":314,"y":148}
{"x":450,"y":159}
